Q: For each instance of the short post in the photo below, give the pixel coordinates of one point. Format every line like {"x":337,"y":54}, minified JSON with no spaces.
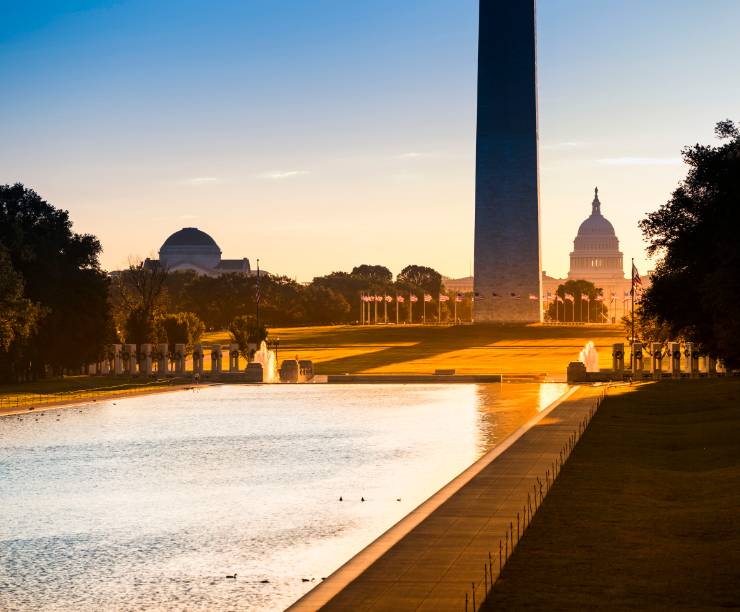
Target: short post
{"x":233,"y":358}
{"x":146,"y":359}
{"x":216,"y":360}
{"x":656,"y":360}
{"x":637,"y":359}
{"x":117,"y":365}
{"x":179,"y":359}
{"x":618,"y":358}
{"x":674,"y":349}
{"x":485,"y":577}
{"x":162,"y":359}
{"x":198,"y":360}
{"x":131,"y":350}
{"x":692,"y":360}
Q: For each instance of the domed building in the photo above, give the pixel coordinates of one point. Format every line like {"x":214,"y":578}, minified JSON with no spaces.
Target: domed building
{"x":193,"y":249}
{"x":596,"y":258}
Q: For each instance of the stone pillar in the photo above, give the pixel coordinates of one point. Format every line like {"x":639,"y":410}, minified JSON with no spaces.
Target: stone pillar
{"x":692,"y":360}
{"x":711,"y":365}
{"x":216,"y":360}
{"x":162,"y":359}
{"x":233,"y":358}
{"x":105,"y":364}
{"x":179,"y":359}
{"x":656,"y":360}
{"x":146,"y":360}
{"x":198,"y":360}
{"x":131,"y":351}
{"x":117,"y":363}
{"x":637,"y":359}
{"x":618,"y":357}
{"x":674,"y":354}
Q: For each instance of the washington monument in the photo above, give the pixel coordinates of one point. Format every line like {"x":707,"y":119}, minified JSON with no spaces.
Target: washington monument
{"x":507,"y":235}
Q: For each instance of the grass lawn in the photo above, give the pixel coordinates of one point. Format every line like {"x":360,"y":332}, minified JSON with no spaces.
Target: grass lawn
{"x":645,"y":514}
{"x":412,"y":349}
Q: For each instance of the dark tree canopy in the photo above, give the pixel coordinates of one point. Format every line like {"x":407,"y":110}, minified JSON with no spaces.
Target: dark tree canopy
{"x":421,"y":277}
{"x":579,"y":309}
{"x":695,"y":289}
{"x":377,"y":274}
{"x":61,"y":274}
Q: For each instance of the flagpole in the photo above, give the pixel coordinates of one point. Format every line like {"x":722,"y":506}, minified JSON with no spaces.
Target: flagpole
{"x":439,"y":309}
{"x":632,"y":274}
{"x":455,"y":315}
{"x":411,"y":309}
{"x":258,"y":296}
{"x":385,"y":310}
{"x":424,"y":310}
{"x":396,"y":309}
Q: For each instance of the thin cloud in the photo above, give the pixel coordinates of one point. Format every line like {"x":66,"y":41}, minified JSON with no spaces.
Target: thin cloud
{"x":641,"y":161}
{"x":563,"y":146}
{"x":186,"y":217}
{"x":202,"y":180}
{"x":282,"y":174}
{"x":417,"y":155}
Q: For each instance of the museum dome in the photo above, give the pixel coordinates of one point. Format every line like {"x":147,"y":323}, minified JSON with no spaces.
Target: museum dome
{"x":190,"y":248}
{"x":190,"y":236}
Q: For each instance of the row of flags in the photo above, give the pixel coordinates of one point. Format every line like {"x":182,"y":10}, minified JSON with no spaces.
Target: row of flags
{"x":412,"y":298}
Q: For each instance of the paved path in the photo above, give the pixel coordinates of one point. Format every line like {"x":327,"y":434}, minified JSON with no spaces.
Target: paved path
{"x":428,"y":561}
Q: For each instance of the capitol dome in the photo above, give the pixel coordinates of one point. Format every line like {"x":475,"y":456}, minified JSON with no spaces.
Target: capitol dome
{"x":596,"y":253}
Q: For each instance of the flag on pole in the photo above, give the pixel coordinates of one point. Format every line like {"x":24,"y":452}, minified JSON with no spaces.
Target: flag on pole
{"x":413,"y":298}
{"x":444,"y":298}
{"x":427,"y":297}
{"x":585,"y":298}
{"x":614,"y":296}
{"x":515,"y":296}
{"x":533,"y":297}
{"x":559,"y":299}
{"x":459,"y":298}
{"x":599,"y":298}
{"x":549,"y":295}
{"x":569,"y":297}
{"x":400,"y":299}
{"x":636,"y":276}
{"x":378,"y":298}
{"x":388,"y":298}
{"x":478,"y":297}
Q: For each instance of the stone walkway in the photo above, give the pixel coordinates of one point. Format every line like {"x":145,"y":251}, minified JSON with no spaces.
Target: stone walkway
{"x":428,"y":560}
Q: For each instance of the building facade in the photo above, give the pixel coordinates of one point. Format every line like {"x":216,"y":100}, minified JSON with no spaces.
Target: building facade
{"x":191,"y":249}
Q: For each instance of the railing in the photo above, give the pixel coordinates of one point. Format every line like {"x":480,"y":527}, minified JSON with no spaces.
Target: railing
{"x":481,"y":589}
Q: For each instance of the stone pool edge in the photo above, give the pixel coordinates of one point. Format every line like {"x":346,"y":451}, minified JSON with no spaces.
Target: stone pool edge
{"x":323,"y":592}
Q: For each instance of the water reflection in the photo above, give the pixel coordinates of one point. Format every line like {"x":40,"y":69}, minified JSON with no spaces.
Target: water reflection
{"x":148,"y":503}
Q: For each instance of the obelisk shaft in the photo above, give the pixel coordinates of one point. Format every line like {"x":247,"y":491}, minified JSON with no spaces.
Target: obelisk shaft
{"x":507,"y":235}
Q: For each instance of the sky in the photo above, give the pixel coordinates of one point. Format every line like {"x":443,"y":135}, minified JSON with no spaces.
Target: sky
{"x":317,"y":135}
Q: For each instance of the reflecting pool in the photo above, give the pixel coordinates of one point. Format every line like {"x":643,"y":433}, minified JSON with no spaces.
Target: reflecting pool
{"x":150,"y":502}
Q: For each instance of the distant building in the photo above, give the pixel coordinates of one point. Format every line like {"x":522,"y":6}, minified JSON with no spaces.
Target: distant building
{"x":596,"y":258}
{"x":459,"y":285}
{"x":191,"y":249}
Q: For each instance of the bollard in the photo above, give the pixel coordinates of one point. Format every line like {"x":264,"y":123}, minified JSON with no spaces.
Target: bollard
{"x":656,"y":360}
{"x":637,"y":364}
{"x":674,"y":352}
{"x":618,"y":357}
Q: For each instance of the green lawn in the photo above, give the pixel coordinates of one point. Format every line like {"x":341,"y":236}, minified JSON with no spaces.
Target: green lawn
{"x":645,"y":513}
{"x":412,"y":349}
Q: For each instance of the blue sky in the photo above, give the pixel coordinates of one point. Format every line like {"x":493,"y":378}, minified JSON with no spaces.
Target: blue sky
{"x":317,"y":135}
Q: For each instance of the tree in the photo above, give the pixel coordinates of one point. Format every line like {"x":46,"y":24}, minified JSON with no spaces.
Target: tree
{"x":245,"y":331}
{"x":139,"y":299}
{"x":61,"y":274}
{"x":695,"y":289}
{"x":421,"y":277}
{"x":181,"y":328}
{"x":593,"y":310}
{"x":374,"y":274}
{"x":322,"y":306}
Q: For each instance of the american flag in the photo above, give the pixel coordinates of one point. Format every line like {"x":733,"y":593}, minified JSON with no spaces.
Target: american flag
{"x":559,"y":299}
{"x":585,"y":298}
{"x":459,"y":298}
{"x":378,"y":298}
{"x":515,"y":296}
{"x":636,"y":276}
{"x":413,"y":298}
{"x":533,"y":297}
{"x":599,"y":298}
{"x":444,"y":298}
{"x":477,"y":297}
{"x":427,"y":297}
{"x":388,"y":298}
{"x":569,"y":296}
{"x":399,"y":299}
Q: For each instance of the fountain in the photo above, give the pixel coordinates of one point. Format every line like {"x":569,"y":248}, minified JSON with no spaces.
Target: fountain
{"x":589,"y":357}
{"x":266,"y":358}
